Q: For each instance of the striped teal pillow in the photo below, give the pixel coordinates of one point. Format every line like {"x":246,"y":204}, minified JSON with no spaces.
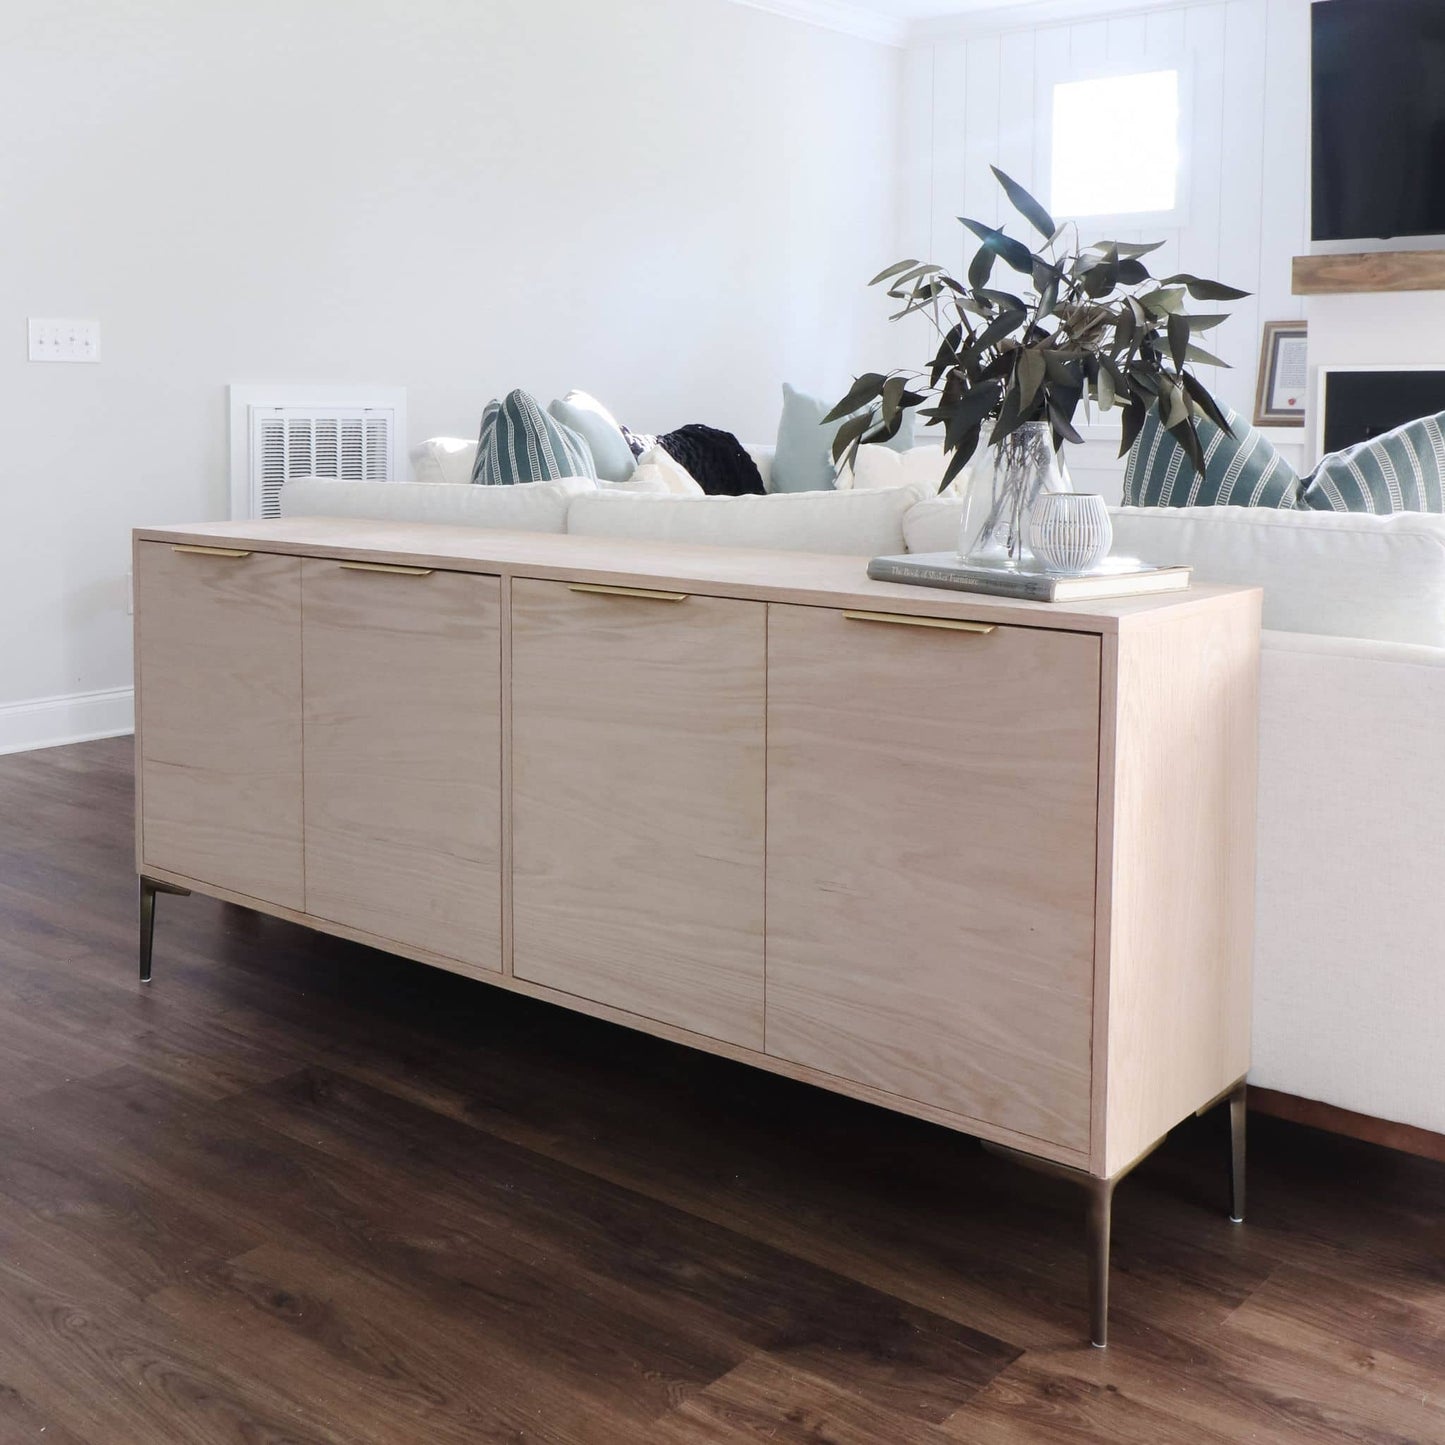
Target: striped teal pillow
{"x":1241,"y":469}
{"x":1401,"y":471}
{"x":521,"y":443}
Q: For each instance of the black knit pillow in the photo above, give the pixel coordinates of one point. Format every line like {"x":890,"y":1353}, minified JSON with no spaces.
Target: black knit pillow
{"x":716,"y":459}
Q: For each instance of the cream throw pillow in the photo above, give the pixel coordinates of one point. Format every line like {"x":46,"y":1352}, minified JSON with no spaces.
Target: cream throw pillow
{"x":659,"y":467}
{"x":878,"y":466}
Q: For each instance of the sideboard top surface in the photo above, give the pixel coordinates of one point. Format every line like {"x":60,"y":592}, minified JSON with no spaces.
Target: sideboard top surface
{"x":807,"y":578}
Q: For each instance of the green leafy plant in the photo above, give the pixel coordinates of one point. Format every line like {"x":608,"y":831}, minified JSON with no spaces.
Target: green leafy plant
{"x":1091,"y":322}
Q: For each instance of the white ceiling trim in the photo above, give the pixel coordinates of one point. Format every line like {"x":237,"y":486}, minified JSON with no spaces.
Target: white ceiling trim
{"x":840,"y":15}
{"x":968,"y":17}
{"x":991,"y":19}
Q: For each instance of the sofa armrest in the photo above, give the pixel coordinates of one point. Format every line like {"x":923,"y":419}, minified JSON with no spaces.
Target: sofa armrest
{"x":1349,"y":983}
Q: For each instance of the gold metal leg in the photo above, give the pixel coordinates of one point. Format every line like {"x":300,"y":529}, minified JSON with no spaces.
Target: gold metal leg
{"x":1238,"y":1110}
{"x":1100,"y":1218}
{"x":1100,"y":1195}
{"x":1237,"y":1097}
{"x":149,"y":887}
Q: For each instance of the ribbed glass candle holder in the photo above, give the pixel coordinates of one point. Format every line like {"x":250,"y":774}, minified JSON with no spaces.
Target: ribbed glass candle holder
{"x":1070,"y":532}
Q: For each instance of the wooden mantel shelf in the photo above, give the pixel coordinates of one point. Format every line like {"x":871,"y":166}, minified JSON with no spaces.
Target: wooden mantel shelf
{"x":1369,"y":271}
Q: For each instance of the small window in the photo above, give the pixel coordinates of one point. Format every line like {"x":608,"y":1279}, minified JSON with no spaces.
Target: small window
{"x":1115,"y":145}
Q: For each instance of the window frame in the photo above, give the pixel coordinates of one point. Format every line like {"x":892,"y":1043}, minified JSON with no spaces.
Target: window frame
{"x":1104,"y":222}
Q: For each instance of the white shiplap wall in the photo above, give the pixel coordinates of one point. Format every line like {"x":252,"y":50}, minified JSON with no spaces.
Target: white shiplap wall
{"x":972,"y":99}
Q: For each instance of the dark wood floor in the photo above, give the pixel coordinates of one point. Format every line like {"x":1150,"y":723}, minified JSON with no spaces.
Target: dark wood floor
{"x":299,"y":1191}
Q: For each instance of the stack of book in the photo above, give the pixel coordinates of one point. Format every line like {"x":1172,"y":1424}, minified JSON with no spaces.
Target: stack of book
{"x":1113,"y":577}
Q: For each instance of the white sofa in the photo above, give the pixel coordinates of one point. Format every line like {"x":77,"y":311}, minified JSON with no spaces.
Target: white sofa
{"x":1349,"y":981}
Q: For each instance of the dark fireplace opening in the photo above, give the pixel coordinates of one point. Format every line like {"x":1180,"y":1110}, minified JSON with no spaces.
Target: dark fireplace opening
{"x":1359,"y":405}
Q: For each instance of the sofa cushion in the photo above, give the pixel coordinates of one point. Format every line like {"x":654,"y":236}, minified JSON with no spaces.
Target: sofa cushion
{"x":443,"y":459}
{"x":1241,"y":469}
{"x":803,"y":459}
{"x":859,"y":524}
{"x":528,"y":507}
{"x":1345,"y":574}
{"x":519,"y":442}
{"x":1401,"y":471}
{"x":585,"y":415}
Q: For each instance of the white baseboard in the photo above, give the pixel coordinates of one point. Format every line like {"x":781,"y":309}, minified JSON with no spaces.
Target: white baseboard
{"x":47,"y":722}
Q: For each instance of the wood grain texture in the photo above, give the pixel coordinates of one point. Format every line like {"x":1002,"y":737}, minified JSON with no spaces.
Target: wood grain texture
{"x":659,"y":1029}
{"x":402,"y":757}
{"x":1176,"y":881}
{"x":931,"y":828}
{"x":219,"y":722}
{"x":302,"y":1191}
{"x":638,"y":803}
{"x":1369,"y":271}
{"x":809,"y":578}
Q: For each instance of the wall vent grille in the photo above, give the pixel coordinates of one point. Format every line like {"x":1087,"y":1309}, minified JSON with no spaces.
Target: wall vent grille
{"x":276,"y":438}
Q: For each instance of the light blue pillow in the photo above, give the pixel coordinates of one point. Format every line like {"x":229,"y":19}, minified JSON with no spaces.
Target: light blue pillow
{"x":521,"y":443}
{"x":597,"y":426}
{"x":803,"y":461}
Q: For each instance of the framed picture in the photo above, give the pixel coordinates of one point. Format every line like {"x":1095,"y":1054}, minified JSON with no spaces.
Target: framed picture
{"x":1283,"y":375}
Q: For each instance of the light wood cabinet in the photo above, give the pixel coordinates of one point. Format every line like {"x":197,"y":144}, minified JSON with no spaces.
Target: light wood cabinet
{"x":932,"y":811}
{"x":981,"y":861}
{"x":638,"y":802}
{"x":218,"y":669}
{"x":403,"y":755}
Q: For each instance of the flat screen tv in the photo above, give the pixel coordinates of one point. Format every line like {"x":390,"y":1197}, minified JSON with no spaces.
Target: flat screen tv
{"x":1378,"y":138}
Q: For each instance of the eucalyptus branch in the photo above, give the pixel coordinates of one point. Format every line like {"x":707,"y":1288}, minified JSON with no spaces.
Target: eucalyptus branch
{"x":1119,"y":337}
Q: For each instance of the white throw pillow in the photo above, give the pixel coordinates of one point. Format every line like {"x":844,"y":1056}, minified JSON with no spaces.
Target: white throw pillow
{"x":661,"y":471}
{"x":525,"y":507}
{"x":878,"y":466}
{"x":852,"y":524}
{"x":444,"y":459}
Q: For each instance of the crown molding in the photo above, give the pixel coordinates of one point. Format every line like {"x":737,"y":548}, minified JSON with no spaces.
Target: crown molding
{"x":840,"y":15}
{"x":992,"y":19}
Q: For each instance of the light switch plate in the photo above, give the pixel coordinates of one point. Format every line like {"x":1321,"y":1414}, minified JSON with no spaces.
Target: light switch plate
{"x":53,"y":340}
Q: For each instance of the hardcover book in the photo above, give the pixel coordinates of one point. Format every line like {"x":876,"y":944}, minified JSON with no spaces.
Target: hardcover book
{"x":1113,"y":577}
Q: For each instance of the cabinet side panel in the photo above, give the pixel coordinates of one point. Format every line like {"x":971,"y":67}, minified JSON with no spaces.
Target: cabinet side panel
{"x":1179,"y":838}
{"x":219,"y":648}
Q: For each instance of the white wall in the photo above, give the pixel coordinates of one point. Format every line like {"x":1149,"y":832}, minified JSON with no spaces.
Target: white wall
{"x":972,"y":99}
{"x":672,"y":203}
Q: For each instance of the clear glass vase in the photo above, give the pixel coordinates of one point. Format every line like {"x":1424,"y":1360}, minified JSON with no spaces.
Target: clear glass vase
{"x":1002,"y":490}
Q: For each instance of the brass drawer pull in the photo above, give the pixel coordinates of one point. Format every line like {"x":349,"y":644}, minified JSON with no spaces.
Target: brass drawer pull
{"x":951,"y":624}
{"x":395,"y":568}
{"x":604,"y":590}
{"x":208,"y":551}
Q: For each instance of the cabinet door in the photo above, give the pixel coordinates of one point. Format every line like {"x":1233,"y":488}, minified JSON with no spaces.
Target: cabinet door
{"x":403,"y":756}
{"x":637,"y":803}
{"x":218,"y":663}
{"x":931,"y":837}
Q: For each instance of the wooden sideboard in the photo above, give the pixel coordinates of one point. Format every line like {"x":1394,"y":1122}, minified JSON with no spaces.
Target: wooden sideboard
{"x":986,"y":862}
